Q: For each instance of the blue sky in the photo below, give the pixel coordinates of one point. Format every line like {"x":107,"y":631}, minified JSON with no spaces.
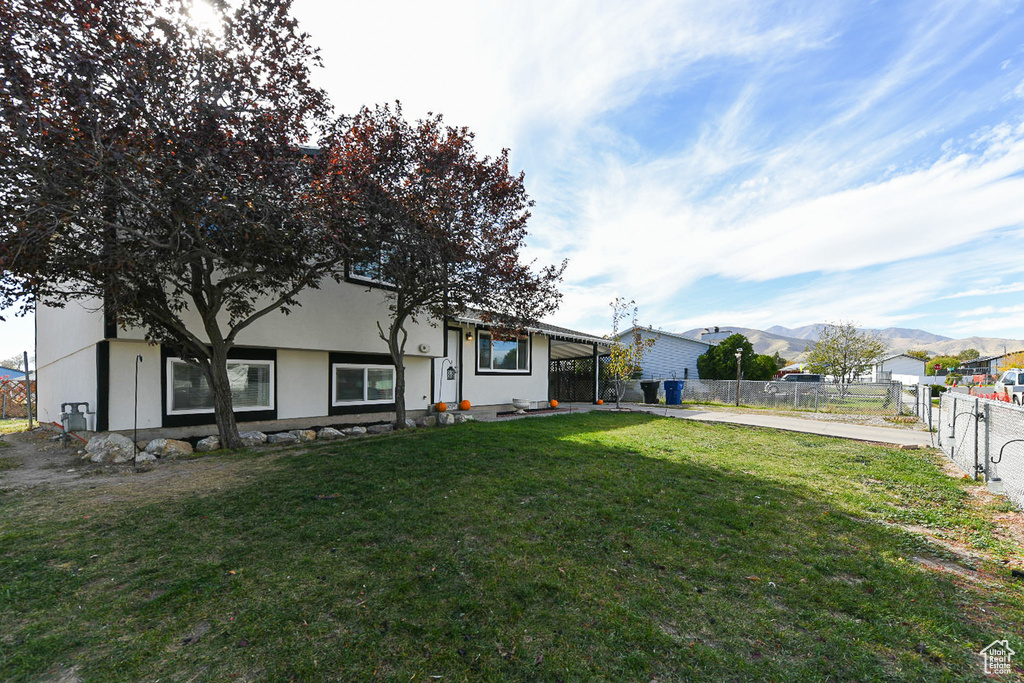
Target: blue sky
{"x":730,"y":163}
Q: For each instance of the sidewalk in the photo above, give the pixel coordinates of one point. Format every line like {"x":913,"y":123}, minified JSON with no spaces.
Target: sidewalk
{"x":840,"y":430}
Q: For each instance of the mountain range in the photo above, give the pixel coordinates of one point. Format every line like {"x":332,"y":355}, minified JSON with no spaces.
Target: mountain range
{"x":791,"y":343}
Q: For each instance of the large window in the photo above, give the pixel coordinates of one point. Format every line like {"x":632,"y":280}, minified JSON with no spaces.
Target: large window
{"x":502,"y":355}
{"x":353,"y":384}
{"x":188,"y":392}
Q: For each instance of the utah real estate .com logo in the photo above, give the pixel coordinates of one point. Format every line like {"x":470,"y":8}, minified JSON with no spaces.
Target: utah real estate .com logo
{"x":997,"y":657}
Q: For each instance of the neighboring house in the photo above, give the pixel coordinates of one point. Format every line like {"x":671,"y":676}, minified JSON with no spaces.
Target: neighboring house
{"x":673,"y":356}
{"x":713,"y":335}
{"x":986,"y":365}
{"x":322,"y":364}
{"x":896,"y":368}
{"x":11,"y":375}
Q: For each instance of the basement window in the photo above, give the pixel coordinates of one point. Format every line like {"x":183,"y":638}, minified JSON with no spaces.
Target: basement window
{"x":188,"y":392}
{"x":362,"y":384}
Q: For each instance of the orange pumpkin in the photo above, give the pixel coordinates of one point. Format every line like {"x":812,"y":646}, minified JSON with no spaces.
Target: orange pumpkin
{"x":554,"y":403}
{"x":441,"y":407}
{"x":600,"y":401}
{"x":464,"y":404}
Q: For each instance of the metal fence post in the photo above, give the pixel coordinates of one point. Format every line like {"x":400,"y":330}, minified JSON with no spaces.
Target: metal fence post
{"x":988,"y":457}
{"x":977,"y":414}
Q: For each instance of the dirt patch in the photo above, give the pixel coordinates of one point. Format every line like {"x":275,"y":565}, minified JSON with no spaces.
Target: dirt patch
{"x":34,"y":459}
{"x":39,"y":462}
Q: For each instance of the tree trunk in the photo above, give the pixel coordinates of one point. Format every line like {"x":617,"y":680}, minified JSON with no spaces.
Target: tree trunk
{"x":396,"y":339}
{"x":223,"y":410}
{"x":399,"y":391}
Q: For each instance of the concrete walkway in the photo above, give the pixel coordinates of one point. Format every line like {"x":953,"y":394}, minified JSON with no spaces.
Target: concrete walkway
{"x":841,"y":430}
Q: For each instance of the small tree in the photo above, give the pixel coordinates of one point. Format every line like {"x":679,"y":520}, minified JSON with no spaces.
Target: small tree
{"x":156,"y":166}
{"x":719,"y":362}
{"x":441,"y":228}
{"x":919,"y":354}
{"x":843,"y":352}
{"x":943,"y":362}
{"x":1013,"y":360}
{"x":625,"y":359}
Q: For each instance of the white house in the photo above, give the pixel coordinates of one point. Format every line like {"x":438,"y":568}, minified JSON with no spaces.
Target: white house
{"x":673,"y":356}
{"x":896,"y":368}
{"x":322,"y":364}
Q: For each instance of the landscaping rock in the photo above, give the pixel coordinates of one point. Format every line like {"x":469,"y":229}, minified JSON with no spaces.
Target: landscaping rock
{"x":145,"y":461}
{"x":409,"y":424}
{"x":169,"y":448}
{"x":355,"y":431}
{"x":110,"y":448}
{"x":459,"y":418}
{"x":468,"y":418}
{"x":210,"y":443}
{"x":253,"y":438}
{"x":329,"y":434}
{"x":303,"y":435}
{"x":142,"y":444}
{"x":427,"y":421}
{"x":445,"y":419}
{"x":282,"y":438}
{"x":379,"y":429}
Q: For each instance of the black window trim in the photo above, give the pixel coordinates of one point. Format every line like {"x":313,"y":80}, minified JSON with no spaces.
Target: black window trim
{"x":500,"y":373}
{"x":196,"y":419}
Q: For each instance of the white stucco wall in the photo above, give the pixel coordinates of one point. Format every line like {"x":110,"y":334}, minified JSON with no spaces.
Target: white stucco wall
{"x":500,"y":389}
{"x":302,"y":383}
{"x":61,"y":332}
{"x":69,"y":378}
{"x":123,"y":355}
{"x":338,"y":317}
{"x":417,"y":383}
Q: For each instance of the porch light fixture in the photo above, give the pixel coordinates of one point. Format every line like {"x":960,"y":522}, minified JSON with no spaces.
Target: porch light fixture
{"x":469,"y":336}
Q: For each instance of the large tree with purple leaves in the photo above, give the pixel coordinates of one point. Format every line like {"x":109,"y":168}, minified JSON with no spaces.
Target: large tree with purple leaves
{"x":442,"y":229}
{"x":158,"y":166}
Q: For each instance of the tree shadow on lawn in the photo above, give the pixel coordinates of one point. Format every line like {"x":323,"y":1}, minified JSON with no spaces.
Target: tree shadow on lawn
{"x":570,"y":548}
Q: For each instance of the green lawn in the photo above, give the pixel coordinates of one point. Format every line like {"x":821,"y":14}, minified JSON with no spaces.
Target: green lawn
{"x":11,"y":425}
{"x":571,"y":548}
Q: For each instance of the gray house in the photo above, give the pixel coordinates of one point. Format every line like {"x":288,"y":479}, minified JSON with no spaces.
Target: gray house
{"x":673,"y":356}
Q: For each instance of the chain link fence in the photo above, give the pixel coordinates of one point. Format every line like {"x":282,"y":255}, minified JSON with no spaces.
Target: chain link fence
{"x":886,"y":399}
{"x":985,"y":438}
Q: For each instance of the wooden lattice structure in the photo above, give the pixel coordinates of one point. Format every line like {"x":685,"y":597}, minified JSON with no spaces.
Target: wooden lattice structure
{"x":14,"y":397}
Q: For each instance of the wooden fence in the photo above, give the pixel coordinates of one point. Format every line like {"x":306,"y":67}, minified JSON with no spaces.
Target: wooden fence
{"x":14,"y":397}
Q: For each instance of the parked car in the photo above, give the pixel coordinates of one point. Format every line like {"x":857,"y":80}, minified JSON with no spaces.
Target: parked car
{"x":785,"y":382}
{"x":1011,"y":383}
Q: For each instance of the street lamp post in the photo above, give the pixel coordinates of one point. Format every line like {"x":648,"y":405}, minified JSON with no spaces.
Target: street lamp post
{"x":739,"y":355}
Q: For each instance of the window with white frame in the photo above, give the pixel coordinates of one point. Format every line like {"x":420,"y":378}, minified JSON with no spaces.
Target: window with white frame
{"x":188,"y":392}
{"x":502,"y":355}
{"x":362,"y":384}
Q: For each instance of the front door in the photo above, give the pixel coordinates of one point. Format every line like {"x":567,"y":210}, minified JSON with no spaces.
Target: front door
{"x":447,"y":369}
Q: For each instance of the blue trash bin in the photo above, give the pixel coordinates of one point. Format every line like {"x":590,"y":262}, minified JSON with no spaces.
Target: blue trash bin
{"x":673,"y":392}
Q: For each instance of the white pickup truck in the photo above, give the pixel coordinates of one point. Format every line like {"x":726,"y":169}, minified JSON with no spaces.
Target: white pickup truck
{"x":1011,"y":383}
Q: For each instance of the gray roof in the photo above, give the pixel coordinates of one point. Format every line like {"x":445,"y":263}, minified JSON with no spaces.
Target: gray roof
{"x":554,"y":331}
{"x":664,"y":334}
